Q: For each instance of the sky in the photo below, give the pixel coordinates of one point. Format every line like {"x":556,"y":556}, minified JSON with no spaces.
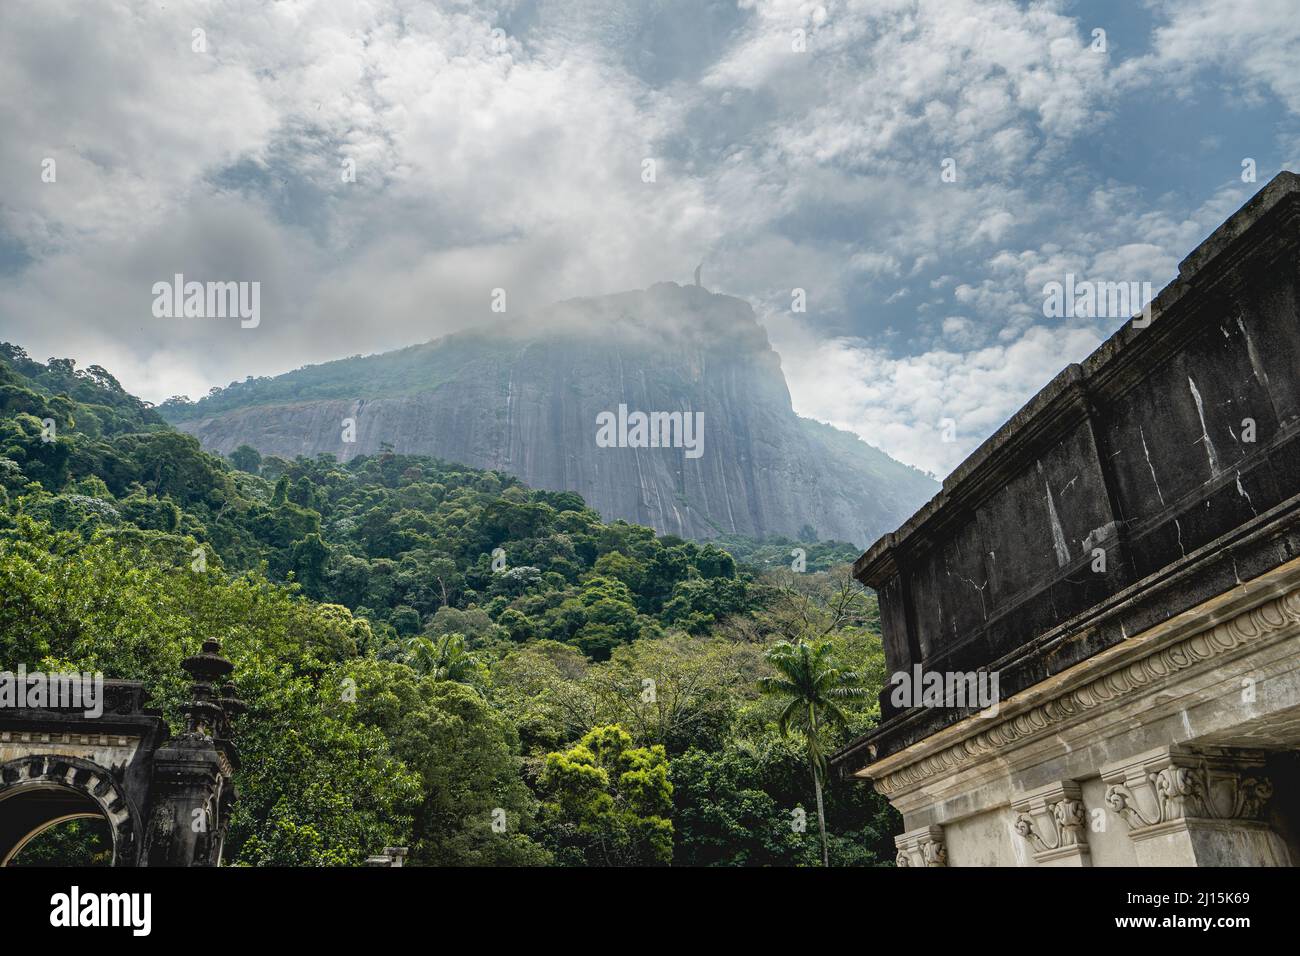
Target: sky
{"x":920,"y":170}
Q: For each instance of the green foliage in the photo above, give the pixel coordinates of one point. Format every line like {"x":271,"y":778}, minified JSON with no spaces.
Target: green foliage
{"x":317,"y":787}
{"x":246,"y":458}
{"x":725,"y":816}
{"x":775,"y":552}
{"x":812,"y":689}
{"x":609,"y":801}
{"x":467,"y":757}
{"x":443,"y":658}
{"x":84,"y":842}
{"x":391,"y":373}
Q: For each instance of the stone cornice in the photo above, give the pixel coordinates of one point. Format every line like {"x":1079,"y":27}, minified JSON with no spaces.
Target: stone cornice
{"x":1268,"y":607}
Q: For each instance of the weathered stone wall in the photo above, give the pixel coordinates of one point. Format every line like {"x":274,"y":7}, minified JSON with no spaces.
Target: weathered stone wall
{"x":1125,"y":555}
{"x":1179,"y":746}
{"x":1143,"y":452}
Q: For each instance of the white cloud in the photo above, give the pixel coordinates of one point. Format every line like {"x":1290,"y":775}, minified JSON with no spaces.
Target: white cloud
{"x":515,"y":160}
{"x":1252,"y":40}
{"x":900,"y":404}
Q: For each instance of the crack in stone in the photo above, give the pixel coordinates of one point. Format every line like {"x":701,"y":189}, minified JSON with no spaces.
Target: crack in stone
{"x":1205,"y":432}
{"x":1156,"y":481}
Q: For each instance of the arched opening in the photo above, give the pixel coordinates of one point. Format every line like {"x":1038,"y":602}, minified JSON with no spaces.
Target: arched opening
{"x":47,"y":824}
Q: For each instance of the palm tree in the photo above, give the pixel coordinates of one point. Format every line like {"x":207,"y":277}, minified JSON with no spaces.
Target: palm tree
{"x":442,"y":659}
{"x":812,"y":687}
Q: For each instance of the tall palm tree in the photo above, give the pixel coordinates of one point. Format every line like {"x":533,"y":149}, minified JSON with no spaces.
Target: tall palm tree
{"x":442,"y":659}
{"x":812,"y":687}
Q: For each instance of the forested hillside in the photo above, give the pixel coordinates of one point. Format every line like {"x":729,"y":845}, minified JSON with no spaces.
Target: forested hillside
{"x":435,"y":656}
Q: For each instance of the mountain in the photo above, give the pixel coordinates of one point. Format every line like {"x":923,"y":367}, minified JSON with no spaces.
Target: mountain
{"x":523,"y":397}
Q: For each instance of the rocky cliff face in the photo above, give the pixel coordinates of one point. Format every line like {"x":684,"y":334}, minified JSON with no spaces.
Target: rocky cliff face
{"x":526,"y":401}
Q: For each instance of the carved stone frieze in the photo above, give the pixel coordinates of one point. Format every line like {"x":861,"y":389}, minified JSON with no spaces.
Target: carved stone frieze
{"x":1269,"y":618}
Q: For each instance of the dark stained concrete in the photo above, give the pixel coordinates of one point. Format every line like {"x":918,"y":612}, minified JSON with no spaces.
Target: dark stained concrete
{"x":1142,"y":451}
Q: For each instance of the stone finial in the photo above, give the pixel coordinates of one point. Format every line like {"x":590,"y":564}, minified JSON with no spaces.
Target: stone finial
{"x":204,"y":712}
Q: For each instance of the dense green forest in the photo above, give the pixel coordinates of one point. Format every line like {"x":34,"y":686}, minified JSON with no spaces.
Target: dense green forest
{"x":435,"y":656}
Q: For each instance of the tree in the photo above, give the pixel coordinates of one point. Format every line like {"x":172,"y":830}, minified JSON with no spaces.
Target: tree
{"x":610,"y":800}
{"x":406,"y":620}
{"x":517,"y":625}
{"x":442,"y":658}
{"x":713,"y":562}
{"x":723,"y":817}
{"x":475,"y":808}
{"x":811,"y":686}
{"x":815,"y":605}
{"x":309,"y":557}
{"x":696,"y":605}
{"x":678,"y":691}
{"x":246,"y":458}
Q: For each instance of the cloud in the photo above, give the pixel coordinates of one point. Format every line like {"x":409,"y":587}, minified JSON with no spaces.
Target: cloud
{"x":904,"y":404}
{"x":1255,"y":42}
{"x":479,"y":165}
{"x":508,"y":146}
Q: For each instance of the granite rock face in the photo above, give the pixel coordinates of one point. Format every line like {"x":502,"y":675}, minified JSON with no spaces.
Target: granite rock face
{"x":526,"y":400}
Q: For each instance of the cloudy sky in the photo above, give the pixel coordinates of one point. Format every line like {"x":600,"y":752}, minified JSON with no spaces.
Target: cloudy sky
{"x":794,"y":145}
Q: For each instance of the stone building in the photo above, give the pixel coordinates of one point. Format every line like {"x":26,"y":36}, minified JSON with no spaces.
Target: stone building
{"x":167,"y":799}
{"x":1123,"y":556}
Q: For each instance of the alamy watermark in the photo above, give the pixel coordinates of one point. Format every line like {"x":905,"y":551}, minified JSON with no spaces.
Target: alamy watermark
{"x":651,"y":430}
{"x":74,"y":908}
{"x":179,"y":299}
{"x":55,"y":691}
{"x":1086,"y":299}
{"x":921,"y":688}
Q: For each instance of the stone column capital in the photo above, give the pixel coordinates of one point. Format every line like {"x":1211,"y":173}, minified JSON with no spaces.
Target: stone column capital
{"x":1053,"y":821}
{"x":1196,"y":806}
{"x":921,"y":847}
{"x":1185,"y":783}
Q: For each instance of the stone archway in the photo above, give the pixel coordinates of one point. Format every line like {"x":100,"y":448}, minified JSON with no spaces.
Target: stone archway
{"x":39,"y":792}
{"x":122,"y":764}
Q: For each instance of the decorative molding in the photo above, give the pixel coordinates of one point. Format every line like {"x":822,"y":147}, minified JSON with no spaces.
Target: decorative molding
{"x":1265,"y":620}
{"x":1067,"y":817}
{"x":1188,"y":784}
{"x":45,"y":739}
{"x":934,"y":853}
